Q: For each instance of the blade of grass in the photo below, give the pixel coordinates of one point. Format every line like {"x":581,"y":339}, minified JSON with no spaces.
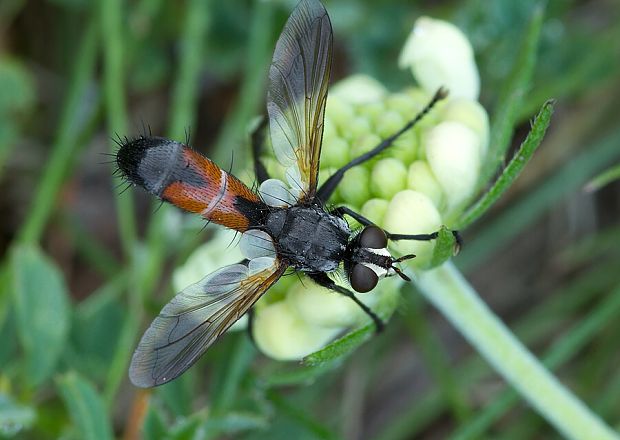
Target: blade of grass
{"x":66,"y":140}
{"x":525,"y":211}
{"x":252,"y":89}
{"x":113,"y":38}
{"x":88,"y":247}
{"x":229,"y":374}
{"x":564,"y":301}
{"x":604,"y":178}
{"x":183,"y":109}
{"x":511,"y":97}
{"x":560,"y":353}
{"x":184,"y":93}
{"x":435,"y":357}
{"x":448,"y":290}
{"x":85,"y":406}
{"x":514,"y":168}
{"x":300,"y":416}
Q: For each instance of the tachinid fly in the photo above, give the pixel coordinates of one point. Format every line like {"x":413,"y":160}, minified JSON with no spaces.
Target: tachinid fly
{"x":284,"y":225}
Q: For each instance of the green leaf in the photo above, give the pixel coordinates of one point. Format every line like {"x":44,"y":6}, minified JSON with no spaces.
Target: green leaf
{"x":607,"y":176}
{"x":304,"y":375}
{"x":86,"y":407}
{"x":340,"y":347}
{"x":514,"y":168}
{"x":154,"y":426}
{"x":234,"y":422}
{"x":14,"y":417}
{"x":17,"y":89}
{"x":41,"y":309}
{"x":444,"y":247}
{"x":511,"y":97}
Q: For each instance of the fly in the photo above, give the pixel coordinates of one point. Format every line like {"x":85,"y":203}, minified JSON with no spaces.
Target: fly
{"x":283,"y":225}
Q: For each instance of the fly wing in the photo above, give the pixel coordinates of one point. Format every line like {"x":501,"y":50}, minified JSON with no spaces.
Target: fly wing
{"x":298,"y":82}
{"x":197,"y":316}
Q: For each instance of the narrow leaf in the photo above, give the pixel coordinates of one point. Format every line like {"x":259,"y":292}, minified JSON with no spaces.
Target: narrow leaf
{"x":86,"y":407}
{"x":444,"y":247}
{"x":607,"y":176}
{"x":340,"y":347}
{"x":41,"y":309}
{"x":233,"y":423}
{"x":299,"y":375}
{"x":514,"y":168}
{"x":511,"y":97}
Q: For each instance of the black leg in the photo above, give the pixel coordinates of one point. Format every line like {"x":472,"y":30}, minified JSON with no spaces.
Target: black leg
{"x":326,"y":190}
{"x":420,"y":237}
{"x":341,"y":210}
{"x":258,"y":139}
{"x":323,"y":280}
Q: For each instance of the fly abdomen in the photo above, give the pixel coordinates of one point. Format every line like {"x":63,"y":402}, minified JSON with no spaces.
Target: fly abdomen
{"x":177,"y":174}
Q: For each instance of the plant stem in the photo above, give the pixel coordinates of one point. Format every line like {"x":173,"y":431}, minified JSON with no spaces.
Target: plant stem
{"x":66,"y":140}
{"x":450,"y":292}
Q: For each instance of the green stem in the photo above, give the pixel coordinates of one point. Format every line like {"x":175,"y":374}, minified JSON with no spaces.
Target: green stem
{"x":252,"y":89}
{"x":113,"y":35}
{"x":450,"y":292}
{"x":184,"y":94}
{"x":66,"y":141}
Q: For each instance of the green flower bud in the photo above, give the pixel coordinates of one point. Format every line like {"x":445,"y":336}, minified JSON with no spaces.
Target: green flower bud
{"x":388,"y":176}
{"x":321,"y":307}
{"x":453,"y":153}
{"x":359,"y":89}
{"x":420,"y":178}
{"x":407,"y":147}
{"x":282,"y":334}
{"x":389,"y":123}
{"x":354,"y":188}
{"x":335,"y":152}
{"x":411,"y":212}
{"x":356,"y":128}
{"x":364,"y":144}
{"x":339,"y":111}
{"x":374,"y":210}
{"x":372,"y":110}
{"x":406,"y":103}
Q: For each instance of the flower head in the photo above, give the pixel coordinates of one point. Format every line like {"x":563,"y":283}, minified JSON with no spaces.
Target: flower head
{"x":412,"y":188}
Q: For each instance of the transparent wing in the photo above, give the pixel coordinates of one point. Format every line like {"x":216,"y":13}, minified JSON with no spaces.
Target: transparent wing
{"x":196,"y":317}
{"x":298,"y":82}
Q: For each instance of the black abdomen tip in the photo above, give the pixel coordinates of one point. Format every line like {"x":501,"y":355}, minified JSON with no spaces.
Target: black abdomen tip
{"x":148,"y":161}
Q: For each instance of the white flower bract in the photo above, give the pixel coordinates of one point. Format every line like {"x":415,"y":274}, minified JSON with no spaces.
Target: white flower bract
{"x":439,"y":55}
{"x":453,"y":154}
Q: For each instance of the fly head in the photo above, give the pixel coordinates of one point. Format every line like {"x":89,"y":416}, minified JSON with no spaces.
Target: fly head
{"x":369,"y":260}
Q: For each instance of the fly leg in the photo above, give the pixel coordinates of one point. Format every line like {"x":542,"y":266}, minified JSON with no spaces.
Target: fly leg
{"x":258,"y":139}
{"x":326,"y":190}
{"x":322,"y":279}
{"x":419,"y":237}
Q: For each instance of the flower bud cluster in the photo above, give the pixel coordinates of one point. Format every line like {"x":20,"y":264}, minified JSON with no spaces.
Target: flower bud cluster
{"x":411,"y":188}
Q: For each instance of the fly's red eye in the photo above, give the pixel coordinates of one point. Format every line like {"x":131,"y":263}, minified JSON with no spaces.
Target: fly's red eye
{"x":373,"y":237}
{"x":363,"y":279}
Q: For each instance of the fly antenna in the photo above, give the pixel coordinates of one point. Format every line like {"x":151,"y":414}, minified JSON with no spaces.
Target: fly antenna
{"x":397,"y":269}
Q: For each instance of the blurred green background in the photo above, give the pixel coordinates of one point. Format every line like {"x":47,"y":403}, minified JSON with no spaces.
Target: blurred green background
{"x":84,"y":268}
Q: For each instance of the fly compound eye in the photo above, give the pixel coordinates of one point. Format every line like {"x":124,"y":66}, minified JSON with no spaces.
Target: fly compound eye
{"x":373,"y":237}
{"x":363,"y":279}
